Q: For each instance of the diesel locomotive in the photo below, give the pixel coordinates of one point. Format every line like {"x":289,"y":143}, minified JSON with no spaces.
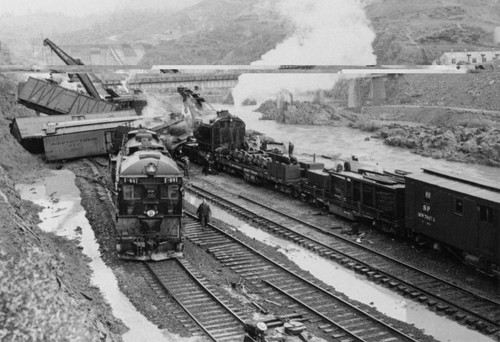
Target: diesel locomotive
{"x":149,"y":200}
{"x":461,"y":214}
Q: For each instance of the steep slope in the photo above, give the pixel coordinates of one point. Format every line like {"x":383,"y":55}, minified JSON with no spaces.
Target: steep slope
{"x":228,"y":32}
{"x":417,"y":32}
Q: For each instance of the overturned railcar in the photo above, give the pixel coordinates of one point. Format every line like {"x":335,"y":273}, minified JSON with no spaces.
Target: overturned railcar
{"x":70,"y":136}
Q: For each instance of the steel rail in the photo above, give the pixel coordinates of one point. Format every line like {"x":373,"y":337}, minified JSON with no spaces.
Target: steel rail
{"x":413,"y":268}
{"x":309,"y":283}
{"x":312,"y":309}
{"x":186,"y":310}
{"x":408,"y":284}
{"x":182,"y":263}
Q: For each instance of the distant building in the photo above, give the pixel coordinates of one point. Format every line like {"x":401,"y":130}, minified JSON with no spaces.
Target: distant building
{"x":468,"y":57}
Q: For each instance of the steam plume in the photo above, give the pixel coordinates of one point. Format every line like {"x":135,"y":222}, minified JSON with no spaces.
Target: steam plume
{"x":327,"y":32}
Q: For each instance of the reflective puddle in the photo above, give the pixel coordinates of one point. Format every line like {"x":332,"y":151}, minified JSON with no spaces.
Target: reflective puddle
{"x":64,"y":216}
{"x":355,"y":286}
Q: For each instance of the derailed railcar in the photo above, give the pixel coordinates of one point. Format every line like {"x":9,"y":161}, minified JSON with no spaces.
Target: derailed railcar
{"x":149,"y":206}
{"x":458,"y":212}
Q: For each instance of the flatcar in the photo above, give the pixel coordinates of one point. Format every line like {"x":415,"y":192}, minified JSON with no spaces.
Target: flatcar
{"x":149,"y":200}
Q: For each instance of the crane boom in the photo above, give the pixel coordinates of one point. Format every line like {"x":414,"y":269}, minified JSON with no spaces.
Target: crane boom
{"x":84,"y":78}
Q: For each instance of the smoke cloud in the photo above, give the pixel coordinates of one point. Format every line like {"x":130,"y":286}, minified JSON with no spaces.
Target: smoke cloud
{"x":327,"y":32}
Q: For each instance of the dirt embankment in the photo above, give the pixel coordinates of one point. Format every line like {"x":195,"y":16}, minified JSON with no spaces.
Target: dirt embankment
{"x":45,"y":287}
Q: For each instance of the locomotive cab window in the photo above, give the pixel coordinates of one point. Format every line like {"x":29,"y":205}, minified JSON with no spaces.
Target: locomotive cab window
{"x":170,"y":192}
{"x":130,"y":192}
{"x":173,"y":192}
{"x":459,"y":207}
{"x":486,"y":214}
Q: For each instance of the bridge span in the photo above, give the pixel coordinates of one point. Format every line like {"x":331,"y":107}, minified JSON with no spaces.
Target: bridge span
{"x":171,"y":81}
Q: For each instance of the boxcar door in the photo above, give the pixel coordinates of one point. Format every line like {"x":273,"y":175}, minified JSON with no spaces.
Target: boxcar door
{"x":487,"y":229}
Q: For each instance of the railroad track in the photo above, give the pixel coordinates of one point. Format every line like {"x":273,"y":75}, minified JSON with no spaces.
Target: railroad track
{"x":337,"y":317}
{"x":463,"y":305}
{"x":204,"y":311}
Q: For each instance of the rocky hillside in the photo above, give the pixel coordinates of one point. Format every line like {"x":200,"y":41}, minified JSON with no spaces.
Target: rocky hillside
{"x":471,"y":90}
{"x":227,"y":32}
{"x":407,"y":32}
{"x":418,"y":32}
{"x":239,"y":32}
{"x":45,"y":288}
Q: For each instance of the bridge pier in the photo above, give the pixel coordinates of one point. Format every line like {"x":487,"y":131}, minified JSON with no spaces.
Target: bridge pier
{"x":377,"y":90}
{"x":354,"y":95}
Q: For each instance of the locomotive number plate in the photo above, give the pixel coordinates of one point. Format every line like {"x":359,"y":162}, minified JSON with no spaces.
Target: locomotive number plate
{"x":172,"y":180}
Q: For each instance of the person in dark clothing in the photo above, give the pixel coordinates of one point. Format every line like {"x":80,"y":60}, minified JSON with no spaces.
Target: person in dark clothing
{"x":290,"y":148}
{"x":186,"y":167}
{"x":206,"y":164}
{"x":204,"y":212}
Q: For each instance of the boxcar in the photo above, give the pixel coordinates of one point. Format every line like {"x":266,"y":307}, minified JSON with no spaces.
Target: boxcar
{"x":461,"y":213}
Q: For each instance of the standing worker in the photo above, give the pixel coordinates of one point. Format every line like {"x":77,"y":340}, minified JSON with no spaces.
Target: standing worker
{"x":206,"y":164}
{"x":290,"y":149}
{"x":186,"y":167}
{"x":204,"y":213}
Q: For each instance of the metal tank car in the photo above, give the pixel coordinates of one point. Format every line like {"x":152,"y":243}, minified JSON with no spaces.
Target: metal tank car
{"x":149,"y":200}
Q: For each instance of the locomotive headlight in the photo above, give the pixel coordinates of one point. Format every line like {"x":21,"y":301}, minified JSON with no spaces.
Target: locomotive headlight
{"x":151,"y":213}
{"x":151,"y":169}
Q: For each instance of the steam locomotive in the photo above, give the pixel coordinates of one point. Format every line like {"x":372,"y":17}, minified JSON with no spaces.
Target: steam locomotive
{"x":462,"y":214}
{"x":149,"y":204}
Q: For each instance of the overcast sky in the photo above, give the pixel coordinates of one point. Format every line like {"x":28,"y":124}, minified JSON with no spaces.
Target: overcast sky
{"x":83,"y":7}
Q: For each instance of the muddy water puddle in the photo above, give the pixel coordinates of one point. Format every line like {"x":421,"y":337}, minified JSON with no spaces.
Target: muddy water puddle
{"x":353,"y":285}
{"x":63,"y":215}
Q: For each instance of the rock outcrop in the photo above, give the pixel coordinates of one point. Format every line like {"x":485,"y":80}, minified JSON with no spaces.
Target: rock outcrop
{"x":472,"y":145}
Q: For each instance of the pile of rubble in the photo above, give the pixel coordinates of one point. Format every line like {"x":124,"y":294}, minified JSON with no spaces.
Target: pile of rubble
{"x":464,"y":144}
{"x":304,"y":113}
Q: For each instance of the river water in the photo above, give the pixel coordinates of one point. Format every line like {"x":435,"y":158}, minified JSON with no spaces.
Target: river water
{"x":329,"y":140}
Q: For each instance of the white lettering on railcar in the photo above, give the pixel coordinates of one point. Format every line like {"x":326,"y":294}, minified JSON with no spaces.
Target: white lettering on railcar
{"x":427,"y":217}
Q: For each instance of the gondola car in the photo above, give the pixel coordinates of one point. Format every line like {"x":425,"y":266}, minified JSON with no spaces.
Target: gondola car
{"x":149,"y":200}
{"x":457,"y":212}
